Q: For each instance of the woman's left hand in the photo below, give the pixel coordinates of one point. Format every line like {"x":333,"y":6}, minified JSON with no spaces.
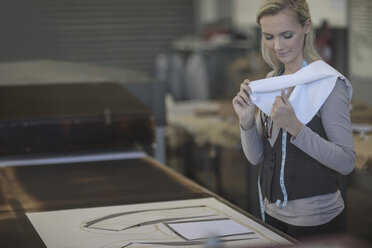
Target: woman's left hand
{"x":284,"y":116}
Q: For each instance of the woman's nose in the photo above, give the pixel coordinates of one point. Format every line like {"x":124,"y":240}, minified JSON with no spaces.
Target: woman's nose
{"x":277,"y":44}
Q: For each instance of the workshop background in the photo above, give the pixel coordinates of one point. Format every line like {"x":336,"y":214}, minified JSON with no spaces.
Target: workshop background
{"x":193,"y":54}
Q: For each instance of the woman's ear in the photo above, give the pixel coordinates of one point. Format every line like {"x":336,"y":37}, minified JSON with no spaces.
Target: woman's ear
{"x":307,"y":26}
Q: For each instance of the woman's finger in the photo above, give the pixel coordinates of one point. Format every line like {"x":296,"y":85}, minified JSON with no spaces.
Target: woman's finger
{"x":239,"y":99}
{"x":278,"y":100}
{"x":285,"y":97}
{"x":250,"y":91}
{"x":246,"y":89}
{"x":282,"y":95}
{"x":246,"y":98}
{"x":289,"y":92}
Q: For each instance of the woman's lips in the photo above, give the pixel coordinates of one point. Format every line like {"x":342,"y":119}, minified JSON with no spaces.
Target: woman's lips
{"x":283,"y":54}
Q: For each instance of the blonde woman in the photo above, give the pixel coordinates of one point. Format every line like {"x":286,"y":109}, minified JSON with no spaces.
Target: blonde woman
{"x":305,"y":139}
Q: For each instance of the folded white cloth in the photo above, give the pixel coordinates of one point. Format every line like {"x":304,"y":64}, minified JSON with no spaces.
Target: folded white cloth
{"x":313,"y":84}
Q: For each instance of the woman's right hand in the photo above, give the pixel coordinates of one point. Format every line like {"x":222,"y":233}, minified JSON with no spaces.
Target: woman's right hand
{"x":244,"y":107}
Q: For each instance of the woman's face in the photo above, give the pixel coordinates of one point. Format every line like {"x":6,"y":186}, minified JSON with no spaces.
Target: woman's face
{"x":284,"y":35}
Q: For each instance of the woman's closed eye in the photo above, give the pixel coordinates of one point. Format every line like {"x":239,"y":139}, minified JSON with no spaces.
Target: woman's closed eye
{"x":268,"y":37}
{"x":287,"y":35}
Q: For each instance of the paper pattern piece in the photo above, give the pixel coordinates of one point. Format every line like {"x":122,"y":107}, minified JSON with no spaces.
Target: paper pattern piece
{"x":209,"y":228}
{"x":313,"y":84}
{"x":185,"y":223}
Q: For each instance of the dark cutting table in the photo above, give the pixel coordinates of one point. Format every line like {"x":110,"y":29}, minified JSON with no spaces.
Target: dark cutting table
{"x":82,"y":185}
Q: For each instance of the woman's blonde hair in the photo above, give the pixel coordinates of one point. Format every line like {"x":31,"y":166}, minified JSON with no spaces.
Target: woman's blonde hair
{"x":301,"y":10}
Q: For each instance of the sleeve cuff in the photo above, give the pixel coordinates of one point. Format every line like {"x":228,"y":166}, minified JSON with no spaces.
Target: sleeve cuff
{"x":301,"y":135}
{"x":249,"y":130}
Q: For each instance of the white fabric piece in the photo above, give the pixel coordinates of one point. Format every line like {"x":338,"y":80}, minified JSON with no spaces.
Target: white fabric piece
{"x":313,"y":84}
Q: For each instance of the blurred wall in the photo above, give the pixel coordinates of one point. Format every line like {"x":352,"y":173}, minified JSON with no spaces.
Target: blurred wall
{"x":360,"y":49}
{"x":335,"y":11}
{"x":123,"y":33}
